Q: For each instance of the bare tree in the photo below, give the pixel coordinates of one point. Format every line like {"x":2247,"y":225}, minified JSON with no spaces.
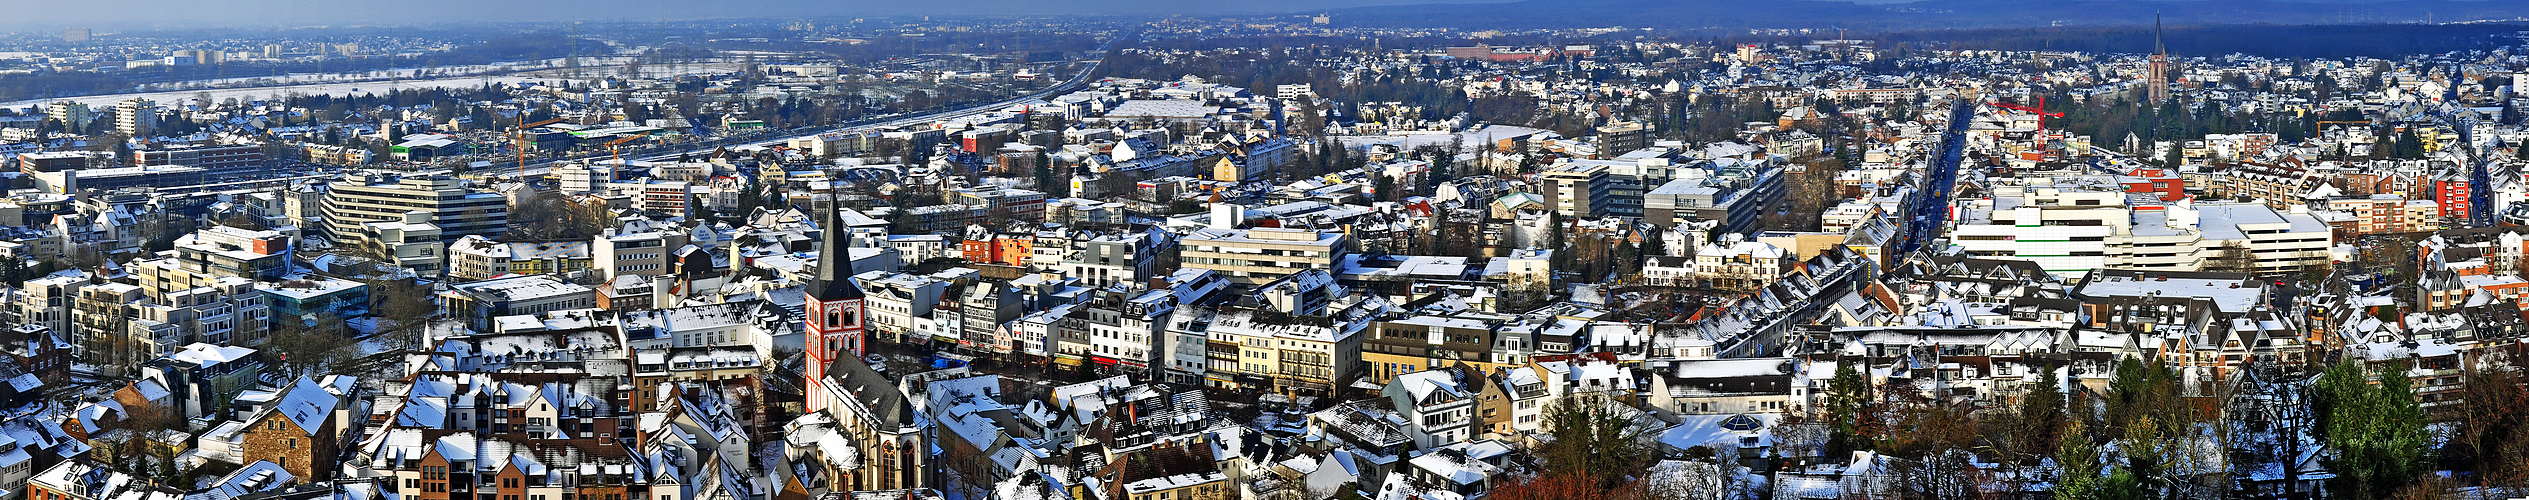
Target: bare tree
{"x":312,"y":349}
{"x":1685,"y":480}
{"x":405,"y":308}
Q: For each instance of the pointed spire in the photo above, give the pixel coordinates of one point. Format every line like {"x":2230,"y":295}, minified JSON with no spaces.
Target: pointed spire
{"x":834,"y":260}
{"x":2156,"y":46}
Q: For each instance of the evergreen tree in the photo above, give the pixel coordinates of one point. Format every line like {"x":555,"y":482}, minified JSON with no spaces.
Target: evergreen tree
{"x":2409,"y":146}
{"x":2376,"y":430}
{"x":1848,"y":403}
{"x":2042,"y":412}
{"x":2079,"y":475}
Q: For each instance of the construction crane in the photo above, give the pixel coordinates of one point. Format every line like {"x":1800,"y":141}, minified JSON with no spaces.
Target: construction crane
{"x":2040,"y":111}
{"x":615,"y":147}
{"x":525,"y":126}
{"x":519,"y":139}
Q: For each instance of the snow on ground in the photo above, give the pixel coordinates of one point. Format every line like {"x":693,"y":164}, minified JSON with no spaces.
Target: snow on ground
{"x":379,"y":81}
{"x":250,"y":93}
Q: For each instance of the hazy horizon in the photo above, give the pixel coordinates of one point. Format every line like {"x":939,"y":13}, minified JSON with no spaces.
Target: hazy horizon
{"x":151,"y":15}
{"x":161,"y":14}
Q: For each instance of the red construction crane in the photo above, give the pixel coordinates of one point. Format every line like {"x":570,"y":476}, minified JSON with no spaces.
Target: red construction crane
{"x":2040,"y":111}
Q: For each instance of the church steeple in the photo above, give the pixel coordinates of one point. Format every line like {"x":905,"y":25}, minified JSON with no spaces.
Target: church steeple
{"x":835,"y":309}
{"x":2156,"y":75}
{"x":2157,"y":47}
{"x":834,"y":261}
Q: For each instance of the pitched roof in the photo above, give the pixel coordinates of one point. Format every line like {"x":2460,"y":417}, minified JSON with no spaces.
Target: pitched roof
{"x":307,"y":404}
{"x":871,"y":389}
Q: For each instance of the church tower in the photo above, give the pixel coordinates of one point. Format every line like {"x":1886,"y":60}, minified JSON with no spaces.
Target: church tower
{"x":834,"y":309}
{"x":2159,"y":72}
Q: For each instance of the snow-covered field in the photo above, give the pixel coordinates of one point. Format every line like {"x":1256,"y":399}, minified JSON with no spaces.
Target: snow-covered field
{"x":379,"y":81}
{"x":338,"y":89}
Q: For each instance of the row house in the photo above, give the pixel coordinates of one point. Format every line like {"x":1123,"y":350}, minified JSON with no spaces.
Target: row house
{"x":2205,"y":324}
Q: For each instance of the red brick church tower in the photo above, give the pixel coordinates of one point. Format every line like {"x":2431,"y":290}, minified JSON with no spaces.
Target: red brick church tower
{"x":2157,"y":86}
{"x":834,"y":310}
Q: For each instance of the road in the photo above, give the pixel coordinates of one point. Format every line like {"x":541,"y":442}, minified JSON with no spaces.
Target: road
{"x":1931,"y":205}
{"x":1075,"y":83}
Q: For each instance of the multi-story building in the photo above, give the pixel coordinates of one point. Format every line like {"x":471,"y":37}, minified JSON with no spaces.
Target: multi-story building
{"x":1126,"y":329}
{"x":2206,"y":325}
{"x":1252,"y":256}
{"x":671,"y":197}
{"x":1732,"y":195}
{"x":1576,"y":189}
{"x":636,"y":248}
{"x":73,"y":114}
{"x":2070,"y":230}
{"x":136,"y":117}
{"x":412,"y":243}
{"x":475,"y":257}
{"x":1438,"y":405}
{"x":1735,"y":263}
{"x":48,"y":301}
{"x":1014,"y":203}
{"x":1098,"y":258}
{"x":478,"y":302}
{"x":1261,"y":349}
{"x":447,"y":202}
{"x":224,"y":310}
{"x":307,"y":300}
{"x":1427,"y":342}
{"x":56,"y":161}
{"x":895,"y":299}
{"x":215,"y":161}
{"x":226,"y":251}
{"x":108,"y":179}
{"x":2380,"y":214}
{"x":1623,"y":137}
{"x":100,"y":323}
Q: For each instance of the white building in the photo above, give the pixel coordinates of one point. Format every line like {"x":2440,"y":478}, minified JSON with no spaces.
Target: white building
{"x":1251,"y":256}
{"x":2074,"y":229}
{"x":1437,"y":406}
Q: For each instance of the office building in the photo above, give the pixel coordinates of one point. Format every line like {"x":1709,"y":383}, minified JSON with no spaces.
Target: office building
{"x":1254,"y":256}
{"x":456,"y":209}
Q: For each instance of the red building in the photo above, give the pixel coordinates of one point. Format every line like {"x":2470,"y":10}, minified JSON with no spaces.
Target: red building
{"x":2451,"y":192}
{"x":999,"y":249}
{"x":2161,"y":182}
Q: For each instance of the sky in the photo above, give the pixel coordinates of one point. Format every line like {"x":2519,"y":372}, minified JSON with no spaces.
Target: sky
{"x":116,"y":14}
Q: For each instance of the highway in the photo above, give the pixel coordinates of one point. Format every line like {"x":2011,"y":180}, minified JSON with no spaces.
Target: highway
{"x":537,"y":169}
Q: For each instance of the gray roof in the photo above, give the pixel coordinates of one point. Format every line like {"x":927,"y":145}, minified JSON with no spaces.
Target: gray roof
{"x":873,"y":390}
